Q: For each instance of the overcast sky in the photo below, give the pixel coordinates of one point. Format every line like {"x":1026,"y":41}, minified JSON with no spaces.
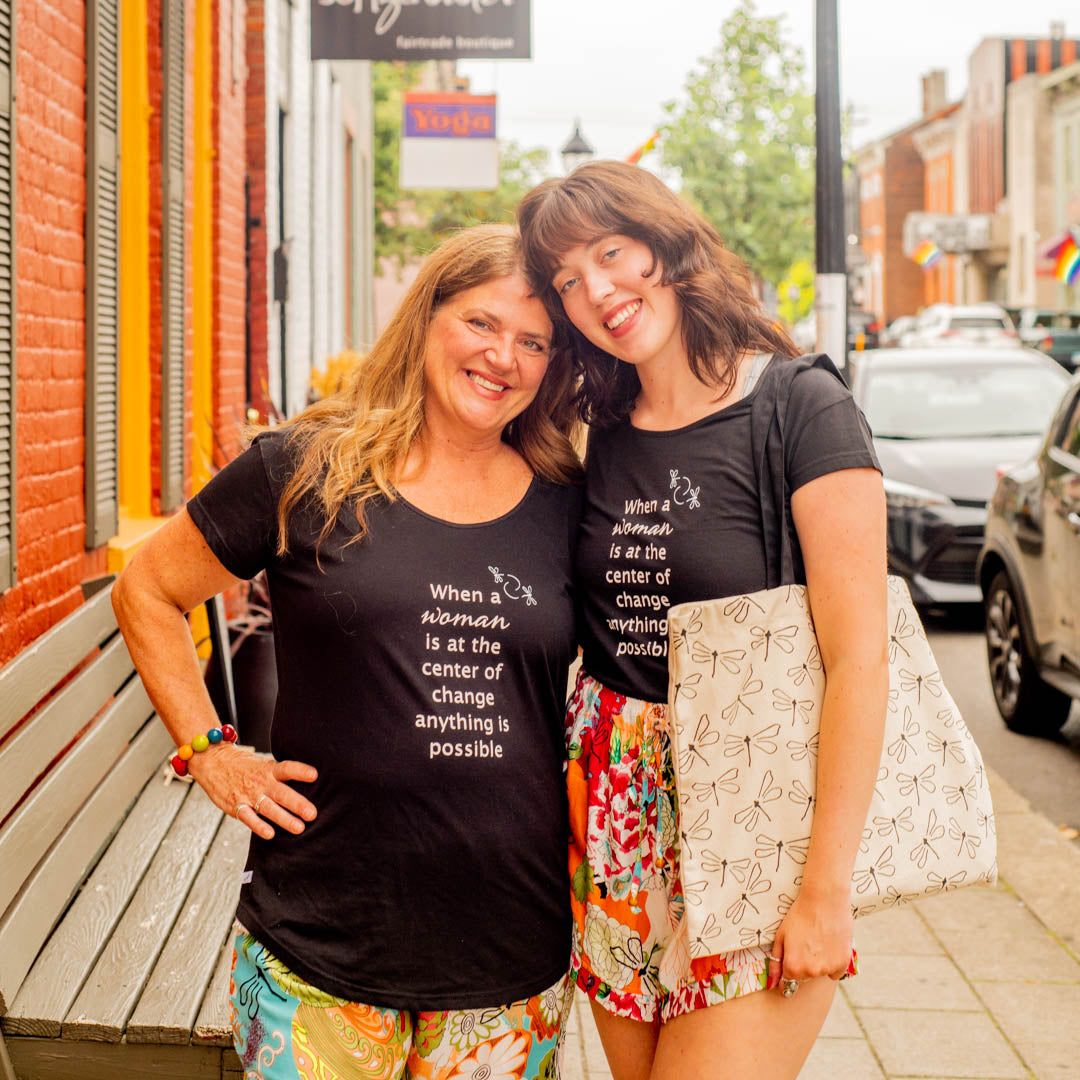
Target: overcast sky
{"x":613,"y":63}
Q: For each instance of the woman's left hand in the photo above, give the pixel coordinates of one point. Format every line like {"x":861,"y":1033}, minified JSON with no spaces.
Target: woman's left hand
{"x":814,"y":939}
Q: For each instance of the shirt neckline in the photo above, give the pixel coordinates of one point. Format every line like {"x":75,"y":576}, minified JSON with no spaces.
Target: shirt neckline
{"x":724,"y":410}
{"x":533,"y":484}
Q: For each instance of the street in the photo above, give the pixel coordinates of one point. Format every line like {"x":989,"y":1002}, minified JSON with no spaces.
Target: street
{"x":1045,"y":772}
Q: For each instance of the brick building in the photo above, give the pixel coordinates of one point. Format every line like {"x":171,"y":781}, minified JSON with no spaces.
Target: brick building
{"x":142,"y":207}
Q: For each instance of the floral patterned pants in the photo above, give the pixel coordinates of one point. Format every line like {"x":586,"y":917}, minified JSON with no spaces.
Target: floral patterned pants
{"x":627,"y":896}
{"x":285,"y":1029}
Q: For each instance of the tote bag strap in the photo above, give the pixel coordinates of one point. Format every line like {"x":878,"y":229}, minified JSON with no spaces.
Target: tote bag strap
{"x":767,"y":417}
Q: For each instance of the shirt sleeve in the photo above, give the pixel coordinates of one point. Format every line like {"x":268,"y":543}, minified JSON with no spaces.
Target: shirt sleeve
{"x":825,"y":430}
{"x":237,"y":511}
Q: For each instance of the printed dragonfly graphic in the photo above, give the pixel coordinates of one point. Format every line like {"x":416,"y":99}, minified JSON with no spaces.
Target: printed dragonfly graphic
{"x":763,"y":740}
{"x":728,"y":659}
{"x":759,"y":938}
{"x":796,"y":707}
{"x":738,"y":607}
{"x":751,"y":686}
{"x":894,"y":824}
{"x":924,"y":781}
{"x":952,"y":747}
{"x":697,"y":832}
{"x":925,"y":847}
{"x":755,"y":886}
{"x":795,"y":850}
{"x":966,"y":841}
{"x":693,"y":626}
{"x":704,"y":737}
{"x":902,"y":630}
{"x":750,"y":815}
{"x":712,"y":863}
{"x":727,"y":781}
{"x":902,"y":745}
{"x":882,"y":867}
{"x":800,"y":795}
{"x":931,"y":683}
{"x":805,"y":671}
{"x":764,"y":638}
{"x":688,"y":687}
{"x":513,"y":589}
{"x":964,"y":793}
{"x":805,"y":748}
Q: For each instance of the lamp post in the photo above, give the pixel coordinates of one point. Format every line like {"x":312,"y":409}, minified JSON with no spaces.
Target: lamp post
{"x":576,"y":151}
{"x":830,"y":294}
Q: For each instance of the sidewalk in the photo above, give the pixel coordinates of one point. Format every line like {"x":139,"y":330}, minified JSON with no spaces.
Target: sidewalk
{"x":982,"y":983}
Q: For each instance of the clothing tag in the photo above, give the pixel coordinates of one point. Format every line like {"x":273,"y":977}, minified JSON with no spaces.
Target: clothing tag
{"x":245,"y":878}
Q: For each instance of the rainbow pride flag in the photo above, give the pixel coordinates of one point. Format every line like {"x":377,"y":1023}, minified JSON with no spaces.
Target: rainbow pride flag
{"x":926,"y":254}
{"x":1067,"y":266}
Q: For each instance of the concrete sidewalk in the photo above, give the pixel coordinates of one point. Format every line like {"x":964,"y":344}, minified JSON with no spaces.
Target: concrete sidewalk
{"x":980,"y":983}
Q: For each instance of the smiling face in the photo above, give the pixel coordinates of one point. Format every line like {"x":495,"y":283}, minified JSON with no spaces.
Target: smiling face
{"x":487,"y":352}
{"x":608,"y":293}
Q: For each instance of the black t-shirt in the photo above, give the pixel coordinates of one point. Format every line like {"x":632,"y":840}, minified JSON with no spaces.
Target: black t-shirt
{"x":675,"y":516}
{"x":423,"y":673}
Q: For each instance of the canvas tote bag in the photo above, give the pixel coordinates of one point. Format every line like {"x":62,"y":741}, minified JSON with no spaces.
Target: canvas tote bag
{"x":745,"y":695}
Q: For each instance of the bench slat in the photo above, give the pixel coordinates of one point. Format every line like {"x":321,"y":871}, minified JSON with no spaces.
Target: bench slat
{"x":40,"y":666}
{"x":45,"y":813}
{"x":25,"y":757}
{"x":212,"y":1026}
{"x":109,"y":995}
{"x":34,"y":911}
{"x":59,"y":1060}
{"x":170,"y":1003}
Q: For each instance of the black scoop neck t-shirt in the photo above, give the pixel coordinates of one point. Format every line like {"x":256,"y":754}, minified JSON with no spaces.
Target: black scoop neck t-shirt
{"x":423,"y":672}
{"x":673,"y":517}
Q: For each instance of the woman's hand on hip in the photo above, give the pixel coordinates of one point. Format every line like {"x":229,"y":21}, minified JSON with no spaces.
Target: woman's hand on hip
{"x":252,"y":788}
{"x":814,"y":939}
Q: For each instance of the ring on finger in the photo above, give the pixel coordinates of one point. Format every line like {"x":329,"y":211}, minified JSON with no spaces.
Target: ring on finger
{"x":259,"y":801}
{"x":774,"y":959}
{"x":240,"y":806}
{"x":790,"y":987}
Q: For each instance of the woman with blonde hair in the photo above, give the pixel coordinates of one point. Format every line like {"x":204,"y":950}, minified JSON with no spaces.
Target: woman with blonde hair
{"x":404,"y":909}
{"x":679,"y":363}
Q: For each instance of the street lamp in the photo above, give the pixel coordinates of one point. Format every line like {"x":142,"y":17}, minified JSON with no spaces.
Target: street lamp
{"x":576,"y":151}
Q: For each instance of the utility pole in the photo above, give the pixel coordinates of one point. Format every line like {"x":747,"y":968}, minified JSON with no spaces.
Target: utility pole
{"x":830,"y":284}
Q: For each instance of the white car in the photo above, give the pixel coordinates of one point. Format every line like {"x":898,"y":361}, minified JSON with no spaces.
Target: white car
{"x":954,"y":324}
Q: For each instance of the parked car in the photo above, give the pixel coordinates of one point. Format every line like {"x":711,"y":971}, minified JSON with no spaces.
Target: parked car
{"x":1029,"y":574}
{"x":1056,"y":333}
{"x":892,"y":333}
{"x":944,"y":420}
{"x":862,"y":330}
{"x":954,"y":324}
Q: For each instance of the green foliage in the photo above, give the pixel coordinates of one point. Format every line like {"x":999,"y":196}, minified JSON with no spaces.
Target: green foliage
{"x":411,"y":223}
{"x":795,"y":293}
{"x":742,"y":141}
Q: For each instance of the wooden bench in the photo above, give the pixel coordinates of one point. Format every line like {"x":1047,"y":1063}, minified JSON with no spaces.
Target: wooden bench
{"x":117,"y":885}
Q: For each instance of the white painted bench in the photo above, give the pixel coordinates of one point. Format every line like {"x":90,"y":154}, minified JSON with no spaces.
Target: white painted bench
{"x":117,"y":886}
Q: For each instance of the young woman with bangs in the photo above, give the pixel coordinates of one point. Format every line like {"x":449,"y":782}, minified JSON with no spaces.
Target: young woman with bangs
{"x":673,"y":347}
{"x":404,"y":910}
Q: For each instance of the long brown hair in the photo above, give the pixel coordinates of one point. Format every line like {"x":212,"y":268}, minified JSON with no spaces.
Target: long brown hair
{"x":350,"y":447}
{"x":721,"y":317}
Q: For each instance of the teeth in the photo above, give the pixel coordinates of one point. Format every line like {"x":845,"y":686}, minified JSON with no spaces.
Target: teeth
{"x":623,"y":315}
{"x":487,"y":384}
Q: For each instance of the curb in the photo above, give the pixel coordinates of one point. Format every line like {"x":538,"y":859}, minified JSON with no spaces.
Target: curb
{"x":1038,"y":863}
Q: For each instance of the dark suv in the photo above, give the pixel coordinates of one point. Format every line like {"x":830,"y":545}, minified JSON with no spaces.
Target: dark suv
{"x":1029,"y":573}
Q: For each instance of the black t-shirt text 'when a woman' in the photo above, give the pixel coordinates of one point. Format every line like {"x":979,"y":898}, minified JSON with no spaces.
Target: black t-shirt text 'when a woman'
{"x":422,"y":671}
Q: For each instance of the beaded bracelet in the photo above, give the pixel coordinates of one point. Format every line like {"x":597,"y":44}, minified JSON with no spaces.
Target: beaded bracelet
{"x":225,"y":733}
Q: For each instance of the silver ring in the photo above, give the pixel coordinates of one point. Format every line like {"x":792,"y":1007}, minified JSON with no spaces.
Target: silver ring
{"x":259,"y":801}
{"x":774,"y":959}
{"x":790,"y":987}
{"x":240,"y":806}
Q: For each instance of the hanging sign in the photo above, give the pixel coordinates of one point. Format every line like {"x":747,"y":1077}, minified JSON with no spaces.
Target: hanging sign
{"x":448,"y":141}
{"x":420,"y":29}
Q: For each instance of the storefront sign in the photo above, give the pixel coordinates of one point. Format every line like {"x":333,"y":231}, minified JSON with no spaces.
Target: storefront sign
{"x":448,"y":141}
{"x":420,"y":29}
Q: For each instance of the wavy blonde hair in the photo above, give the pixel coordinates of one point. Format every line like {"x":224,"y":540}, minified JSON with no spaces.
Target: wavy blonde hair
{"x":349,"y":448}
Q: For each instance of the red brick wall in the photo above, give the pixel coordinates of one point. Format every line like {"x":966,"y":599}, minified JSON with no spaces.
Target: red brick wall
{"x":50,"y":148}
{"x":255,"y":124}
{"x":230,"y":391}
{"x":903,"y":195}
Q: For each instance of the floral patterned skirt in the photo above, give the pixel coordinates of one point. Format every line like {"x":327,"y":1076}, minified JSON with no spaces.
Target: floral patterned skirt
{"x":627,"y":897}
{"x":286,"y":1029}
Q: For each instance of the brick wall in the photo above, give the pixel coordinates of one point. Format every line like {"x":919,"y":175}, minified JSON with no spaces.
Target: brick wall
{"x":230,"y":392}
{"x":255,"y":143}
{"x":50,"y":324}
{"x":903,"y":195}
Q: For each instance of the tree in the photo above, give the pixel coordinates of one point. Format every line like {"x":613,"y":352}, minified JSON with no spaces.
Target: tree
{"x":742,"y":142}
{"x":411,"y":223}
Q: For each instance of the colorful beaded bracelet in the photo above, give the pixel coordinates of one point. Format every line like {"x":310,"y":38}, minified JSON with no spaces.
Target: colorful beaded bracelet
{"x":225,"y":733}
